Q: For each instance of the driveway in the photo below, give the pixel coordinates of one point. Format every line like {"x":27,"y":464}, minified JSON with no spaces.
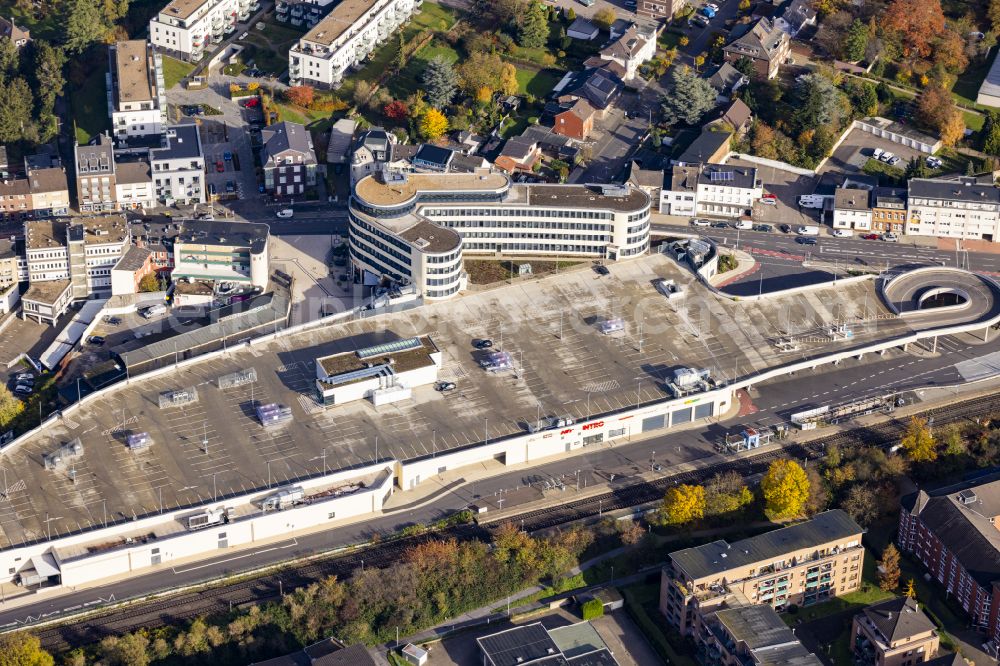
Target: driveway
{"x":788,"y":187}
{"x":618,"y":138}
{"x":228,"y":132}
{"x":856,"y":150}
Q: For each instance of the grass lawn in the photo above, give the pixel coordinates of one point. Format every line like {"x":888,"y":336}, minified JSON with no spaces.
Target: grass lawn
{"x":538,"y":83}
{"x":430,"y":17}
{"x":47,"y":28}
{"x":90,"y":103}
{"x":868,"y":594}
{"x":974,"y":121}
{"x":174,"y":71}
{"x":887,"y":175}
{"x":299,"y":115}
{"x":966,"y":88}
{"x":407,"y":81}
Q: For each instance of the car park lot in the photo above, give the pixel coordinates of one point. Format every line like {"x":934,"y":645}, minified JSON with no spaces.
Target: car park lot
{"x":787,"y":187}
{"x":564,"y":367}
{"x":858,"y":147}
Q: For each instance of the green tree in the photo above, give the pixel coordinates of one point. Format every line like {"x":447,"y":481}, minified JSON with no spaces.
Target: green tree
{"x":726,"y":494}
{"x":744,"y":66}
{"x":149,"y":283}
{"x":605,"y":17}
{"x":856,"y":41}
{"x":991,"y":133}
{"x":689,"y":99}
{"x":570,"y":14}
{"x":15,"y":111}
{"x":592,"y":609}
{"x":918,"y":442}
{"x":85,"y":25}
{"x":10,"y":408}
{"x":47,"y":73}
{"x":817,"y":103}
{"x":399,"y":58}
{"x":785,"y":487}
{"x":440,"y":81}
{"x":864,"y":98}
{"x":683,"y":504}
{"x":888,"y":569}
{"x":10,"y":58}
{"x":533,"y":31}
{"x":23,"y":649}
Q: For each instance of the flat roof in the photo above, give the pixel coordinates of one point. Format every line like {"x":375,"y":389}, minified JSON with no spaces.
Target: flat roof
{"x":132,"y":67}
{"x":714,"y":558}
{"x":45,"y":233}
{"x":849,"y":198}
{"x":413,"y":353}
{"x":47,"y":291}
{"x":520,"y":645}
{"x":559,"y":375}
{"x":430,"y":237}
{"x":340,"y":20}
{"x":100,"y":229}
{"x":182,"y":9}
{"x":184,"y":144}
{"x":374,"y":191}
{"x":585,"y":196}
{"x":224,"y":233}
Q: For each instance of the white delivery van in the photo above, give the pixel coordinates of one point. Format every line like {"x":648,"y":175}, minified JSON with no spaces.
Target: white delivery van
{"x":153,"y":311}
{"x":811,"y":200}
{"x":744,"y":225}
{"x":807,"y":231}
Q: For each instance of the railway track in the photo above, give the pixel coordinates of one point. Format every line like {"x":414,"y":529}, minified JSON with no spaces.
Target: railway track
{"x":188,"y":605}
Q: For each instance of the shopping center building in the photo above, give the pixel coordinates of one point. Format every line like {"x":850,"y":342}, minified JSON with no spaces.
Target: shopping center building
{"x":415,"y":228}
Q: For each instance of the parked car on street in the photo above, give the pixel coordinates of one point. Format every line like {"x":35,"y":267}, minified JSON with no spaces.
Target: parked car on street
{"x":285,"y":212}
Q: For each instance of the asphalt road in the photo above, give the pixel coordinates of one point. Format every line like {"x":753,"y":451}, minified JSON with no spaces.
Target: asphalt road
{"x":850,"y":251}
{"x":774,"y":402}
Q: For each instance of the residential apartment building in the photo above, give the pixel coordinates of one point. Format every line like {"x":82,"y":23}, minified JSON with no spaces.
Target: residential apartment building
{"x":288,"y":159}
{"x":15,"y":198}
{"x":179,"y":167}
{"x":953,"y":532}
{"x":343,"y":38}
{"x":136,"y":87}
{"x":896,"y":632}
{"x":49,"y":191}
{"x":749,"y":636}
{"x":889,"y":210}
{"x":187,"y":29}
{"x":764,"y":44}
{"x":11,"y":265}
{"x":715,"y":190}
{"x":851,"y":209}
{"x":95,"y":175}
{"x":134,"y":184}
{"x":802,"y":564}
{"x":372,"y":151}
{"x":416,"y":227}
{"x":216,"y":252}
{"x":961,"y":208}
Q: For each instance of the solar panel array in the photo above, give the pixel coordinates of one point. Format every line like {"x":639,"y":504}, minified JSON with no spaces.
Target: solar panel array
{"x":721,"y":176}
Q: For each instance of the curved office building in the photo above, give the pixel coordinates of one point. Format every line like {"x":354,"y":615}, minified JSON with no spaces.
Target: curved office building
{"x":416,"y":227}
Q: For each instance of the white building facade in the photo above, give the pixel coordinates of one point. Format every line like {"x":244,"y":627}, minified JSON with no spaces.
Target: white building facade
{"x":416,"y":228}
{"x":343,"y":38}
{"x":962,"y":208}
{"x":138,"y":92}
{"x":179,"y":167}
{"x":188,"y":28}
{"x":851,"y":209}
{"x":727,"y":191}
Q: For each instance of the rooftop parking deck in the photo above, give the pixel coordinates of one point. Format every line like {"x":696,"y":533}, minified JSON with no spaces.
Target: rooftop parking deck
{"x":564,"y":367}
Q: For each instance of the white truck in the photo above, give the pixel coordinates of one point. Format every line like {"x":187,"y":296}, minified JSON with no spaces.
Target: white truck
{"x":811,"y":200}
{"x":807,"y":230}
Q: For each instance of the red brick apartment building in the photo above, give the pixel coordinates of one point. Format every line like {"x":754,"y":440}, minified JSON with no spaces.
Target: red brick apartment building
{"x":954,"y":532}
